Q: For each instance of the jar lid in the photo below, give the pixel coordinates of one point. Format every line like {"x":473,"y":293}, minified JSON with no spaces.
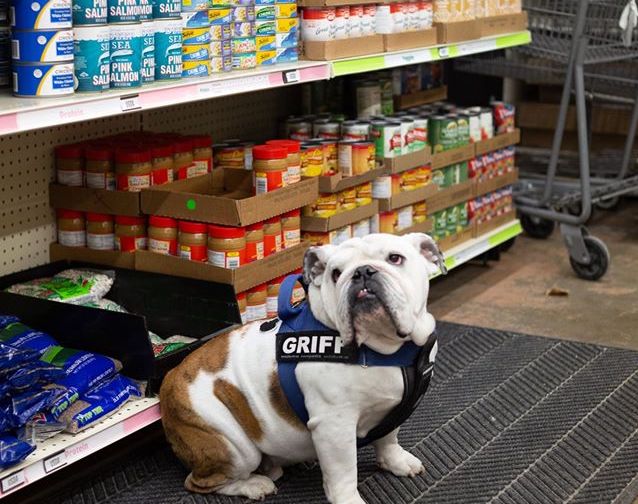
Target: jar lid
{"x":132,"y":155}
{"x":98,"y":152}
{"x":269,"y":152}
{"x":291,"y":146}
{"x":292,"y":213}
{"x":127,"y":220}
{"x":215,"y":231}
{"x":182,"y":144}
{"x":69,"y":214}
{"x":163,"y":150}
{"x":165,"y":222}
{"x":98,"y":217}
{"x":257,"y":288}
{"x":201,"y":141}
{"x":258,"y":226}
{"x":273,"y":220}
{"x":276,"y":281}
{"x":192,"y":227}
{"x":241,"y":296}
{"x":70,"y":151}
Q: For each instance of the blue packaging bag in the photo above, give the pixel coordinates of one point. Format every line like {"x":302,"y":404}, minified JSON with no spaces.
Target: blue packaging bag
{"x":22,"y":337}
{"x":12,"y":450}
{"x":11,"y":356}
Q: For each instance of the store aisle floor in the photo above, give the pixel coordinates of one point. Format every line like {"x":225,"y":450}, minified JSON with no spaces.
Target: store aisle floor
{"x":511,"y":294}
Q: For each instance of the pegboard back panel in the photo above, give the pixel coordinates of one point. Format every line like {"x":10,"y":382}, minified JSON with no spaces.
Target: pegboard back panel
{"x":27,"y":224}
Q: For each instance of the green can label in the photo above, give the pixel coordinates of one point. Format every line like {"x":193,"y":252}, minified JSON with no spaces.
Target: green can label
{"x":452,"y":220}
{"x":463,"y":130}
{"x":443,"y":133}
{"x":463,"y":218}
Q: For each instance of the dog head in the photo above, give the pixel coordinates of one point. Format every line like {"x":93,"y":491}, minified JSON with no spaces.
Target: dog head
{"x":374,"y":290}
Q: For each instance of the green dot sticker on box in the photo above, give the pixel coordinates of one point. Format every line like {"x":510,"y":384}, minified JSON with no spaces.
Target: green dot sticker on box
{"x":191,"y":204}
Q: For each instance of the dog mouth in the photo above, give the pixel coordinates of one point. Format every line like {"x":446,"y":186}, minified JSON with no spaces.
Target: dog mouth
{"x":366,"y":293}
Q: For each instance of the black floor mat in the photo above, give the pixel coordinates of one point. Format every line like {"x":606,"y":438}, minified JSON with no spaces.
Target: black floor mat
{"x":509,"y":419}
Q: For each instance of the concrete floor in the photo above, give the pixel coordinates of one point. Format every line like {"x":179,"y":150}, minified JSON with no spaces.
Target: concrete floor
{"x":511,"y":294}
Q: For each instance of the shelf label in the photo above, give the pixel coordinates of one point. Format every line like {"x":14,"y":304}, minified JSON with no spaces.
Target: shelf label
{"x":444,"y":52}
{"x":291,"y":76}
{"x":13,"y":481}
{"x":54,"y":462}
{"x":128,"y":103}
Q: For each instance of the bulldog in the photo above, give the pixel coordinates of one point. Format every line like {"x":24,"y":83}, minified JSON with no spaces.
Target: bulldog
{"x":227,"y":417}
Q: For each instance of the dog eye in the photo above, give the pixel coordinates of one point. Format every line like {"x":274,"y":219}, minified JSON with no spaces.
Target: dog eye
{"x":336,"y":273}
{"x":396,"y":259}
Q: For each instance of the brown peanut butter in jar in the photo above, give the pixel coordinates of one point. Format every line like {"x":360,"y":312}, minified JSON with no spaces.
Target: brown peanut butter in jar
{"x":272,"y":236}
{"x":256,"y":303}
{"x":99,"y":231}
{"x":293,"y":148}
{"x":202,"y":155}
{"x":71,"y":229}
{"x":183,"y":158}
{"x":241,"y":304}
{"x":133,"y":167}
{"x":162,"y":235}
{"x":226,"y":246}
{"x":291,"y":229}
{"x":99,"y":167}
{"x":163,"y":164}
{"x":270,"y":167}
{"x":69,"y":165}
{"x":130,"y":233}
{"x":192,"y":240}
{"x":254,"y":242}
{"x":272,"y":301}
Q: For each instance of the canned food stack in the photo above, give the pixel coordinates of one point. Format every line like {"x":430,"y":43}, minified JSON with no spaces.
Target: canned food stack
{"x":286,"y":32}
{"x":42,"y":48}
{"x":243,"y":35}
{"x":233,"y":153}
{"x":196,"y":36}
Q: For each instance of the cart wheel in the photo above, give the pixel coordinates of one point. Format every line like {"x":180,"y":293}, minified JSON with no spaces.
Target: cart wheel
{"x":537,"y":227}
{"x":505,"y":246}
{"x":608,"y":204}
{"x":599,"y":263}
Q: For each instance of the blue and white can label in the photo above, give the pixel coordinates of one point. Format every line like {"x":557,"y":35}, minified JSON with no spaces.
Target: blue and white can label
{"x":168,"y":49}
{"x":42,"y":46}
{"x":163,"y":9}
{"x":92,"y":58}
{"x":42,"y":79}
{"x":146,"y":10}
{"x":148,"y":51}
{"x":40,"y":14}
{"x":90,"y":12}
{"x":193,"y":5}
{"x":196,"y":19}
{"x":126,"y":55}
{"x":125,"y":11}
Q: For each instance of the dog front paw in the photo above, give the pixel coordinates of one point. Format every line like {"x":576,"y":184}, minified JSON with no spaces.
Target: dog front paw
{"x":400,"y":462}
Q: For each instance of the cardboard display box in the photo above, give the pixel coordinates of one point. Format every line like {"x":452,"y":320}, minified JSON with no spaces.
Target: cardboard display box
{"x":498,"y":142}
{"x":409,"y":40}
{"x":452,"y":241}
{"x":407,"y":198}
{"x":452,"y":156}
{"x":241,"y":279}
{"x":83,"y":199}
{"x":323,"y":225}
{"x":492,"y":224}
{"x":420,"y":98}
{"x":421,"y":227}
{"x":407,"y":161}
{"x":113,"y":258}
{"x":487,"y":186}
{"x":458,"y":32}
{"x":336,"y":183}
{"x":508,"y":23}
{"x":450,"y":196}
{"x":225,"y":197}
{"x":344,"y":48}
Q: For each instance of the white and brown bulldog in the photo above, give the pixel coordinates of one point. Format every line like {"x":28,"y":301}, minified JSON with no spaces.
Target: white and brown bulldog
{"x":224,"y":411}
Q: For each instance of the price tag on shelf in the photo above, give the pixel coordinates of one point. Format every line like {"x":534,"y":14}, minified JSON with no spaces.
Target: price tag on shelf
{"x":13,"y":481}
{"x":54,"y":462}
{"x":291,"y":76}
{"x":128,"y":103}
{"x":444,"y":52}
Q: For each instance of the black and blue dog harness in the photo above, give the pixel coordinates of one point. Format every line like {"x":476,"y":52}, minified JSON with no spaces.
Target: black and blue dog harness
{"x":302,"y":338}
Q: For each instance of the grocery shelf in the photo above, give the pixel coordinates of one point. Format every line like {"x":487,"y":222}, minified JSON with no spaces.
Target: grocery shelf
{"x":64,"y":449}
{"x":427,"y":54}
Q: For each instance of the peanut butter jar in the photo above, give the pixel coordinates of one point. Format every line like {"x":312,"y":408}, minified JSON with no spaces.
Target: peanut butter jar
{"x":192,"y":240}
{"x":162,"y":235}
{"x":100,"y":233}
{"x":226,"y":246}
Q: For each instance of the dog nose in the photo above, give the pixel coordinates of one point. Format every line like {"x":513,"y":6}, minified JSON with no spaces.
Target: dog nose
{"x":364,"y":272}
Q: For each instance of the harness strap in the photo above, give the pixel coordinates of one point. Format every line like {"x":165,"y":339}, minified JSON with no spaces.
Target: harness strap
{"x":292,"y":391}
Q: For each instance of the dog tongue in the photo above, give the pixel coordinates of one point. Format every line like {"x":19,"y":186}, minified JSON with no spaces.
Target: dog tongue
{"x":362,"y":293}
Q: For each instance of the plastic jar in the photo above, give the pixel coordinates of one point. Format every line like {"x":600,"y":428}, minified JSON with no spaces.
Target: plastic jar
{"x":98,"y":167}
{"x":272,"y":236}
{"x":293,"y":148}
{"x":291,"y":229}
{"x":99,"y":231}
{"x":272,"y":292}
{"x":162,"y":235}
{"x":254,"y":242}
{"x":226,"y":246}
{"x":202,"y":155}
{"x":133,"y":166}
{"x":130,"y":233}
{"x":163,"y":164}
{"x":71,"y":231}
{"x":192,"y":240}
{"x":256,"y":303}
{"x":69,"y":165}
{"x":270,"y":164}
{"x":241,"y":304}
{"x":183,"y":158}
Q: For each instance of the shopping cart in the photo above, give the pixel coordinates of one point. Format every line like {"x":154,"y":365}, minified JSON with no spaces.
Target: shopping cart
{"x":591,"y":48}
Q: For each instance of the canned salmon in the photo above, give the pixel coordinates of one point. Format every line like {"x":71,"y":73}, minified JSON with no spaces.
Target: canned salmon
{"x":126,"y":55}
{"x":92,"y":54}
{"x":89,"y":12}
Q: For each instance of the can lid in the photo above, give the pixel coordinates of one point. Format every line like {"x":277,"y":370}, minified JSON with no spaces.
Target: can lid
{"x":201,"y":141}
{"x":192,"y":227}
{"x":291,"y":146}
{"x":132,"y":155}
{"x":269,"y":152}
{"x":273,"y":220}
{"x":215,"y":231}
{"x":69,"y":151}
{"x":292,"y":213}
{"x":258,"y":226}
{"x":157,"y":221}
{"x":183,"y":144}
{"x":257,"y":288}
{"x":98,"y":217}
{"x":127,"y":220}
{"x":98,"y":152}
{"x":163,"y":150}
{"x":69,"y":214}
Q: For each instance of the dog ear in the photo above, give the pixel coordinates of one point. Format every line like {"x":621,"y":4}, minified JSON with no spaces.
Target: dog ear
{"x":428,"y":248}
{"x":314,"y":263}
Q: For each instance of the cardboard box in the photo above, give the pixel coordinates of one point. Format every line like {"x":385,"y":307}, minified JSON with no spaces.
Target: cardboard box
{"x":337,"y":182}
{"x":225,"y":197}
{"x":243,"y":278}
{"x":498,"y":142}
{"x":407,"y":198}
{"x":450,"y":196}
{"x":322,"y":225}
{"x":508,"y":23}
{"x":420,"y":98}
{"x":113,"y":258}
{"x":458,"y":155}
{"x":492,"y":224}
{"x":407,"y":161}
{"x":409,"y":40}
{"x":458,"y":32}
{"x":345,"y":48}
{"x":421,"y":227}
{"x":487,"y":186}
{"x":83,"y":199}
{"x":452,"y":241}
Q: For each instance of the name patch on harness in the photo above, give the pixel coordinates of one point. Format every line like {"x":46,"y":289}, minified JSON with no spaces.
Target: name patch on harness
{"x":314,"y":347}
